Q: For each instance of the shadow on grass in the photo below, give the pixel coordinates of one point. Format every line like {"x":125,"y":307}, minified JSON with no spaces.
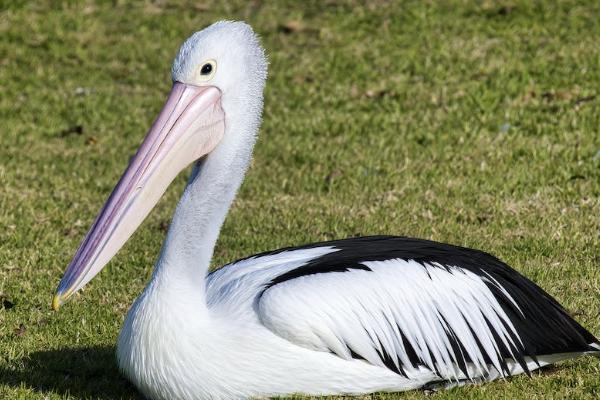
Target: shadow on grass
{"x":89,"y":372}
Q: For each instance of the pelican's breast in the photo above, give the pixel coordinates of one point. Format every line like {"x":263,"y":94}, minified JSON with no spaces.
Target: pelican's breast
{"x":167,"y":350}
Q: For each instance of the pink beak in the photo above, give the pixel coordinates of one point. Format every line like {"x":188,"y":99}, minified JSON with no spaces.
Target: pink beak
{"x":190,"y":125}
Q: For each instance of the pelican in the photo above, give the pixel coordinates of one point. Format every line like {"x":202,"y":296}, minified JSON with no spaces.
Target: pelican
{"x":353,"y":316}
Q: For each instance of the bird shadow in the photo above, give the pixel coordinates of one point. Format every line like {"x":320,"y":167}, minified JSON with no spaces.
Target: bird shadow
{"x":88,"y":372}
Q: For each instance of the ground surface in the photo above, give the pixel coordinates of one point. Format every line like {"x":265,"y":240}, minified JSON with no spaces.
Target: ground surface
{"x":472,"y":124}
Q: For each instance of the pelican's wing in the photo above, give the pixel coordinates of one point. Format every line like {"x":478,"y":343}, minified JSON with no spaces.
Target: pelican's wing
{"x":408,"y":303}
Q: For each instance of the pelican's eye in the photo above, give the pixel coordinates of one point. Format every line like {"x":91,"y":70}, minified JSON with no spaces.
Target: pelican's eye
{"x":207,"y":70}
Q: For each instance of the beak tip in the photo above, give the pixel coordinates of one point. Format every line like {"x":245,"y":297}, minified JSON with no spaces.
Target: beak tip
{"x":57,"y":301}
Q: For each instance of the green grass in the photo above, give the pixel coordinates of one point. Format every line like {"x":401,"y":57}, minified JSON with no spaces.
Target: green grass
{"x":475,"y":123}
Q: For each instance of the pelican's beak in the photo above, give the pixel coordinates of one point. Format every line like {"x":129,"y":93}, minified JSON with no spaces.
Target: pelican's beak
{"x":190,"y":125}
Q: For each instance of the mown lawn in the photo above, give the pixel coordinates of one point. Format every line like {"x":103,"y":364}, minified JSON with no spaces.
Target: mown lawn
{"x":475,"y":123}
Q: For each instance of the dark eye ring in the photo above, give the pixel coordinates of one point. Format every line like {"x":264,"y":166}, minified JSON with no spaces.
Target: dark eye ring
{"x":206,"y":69}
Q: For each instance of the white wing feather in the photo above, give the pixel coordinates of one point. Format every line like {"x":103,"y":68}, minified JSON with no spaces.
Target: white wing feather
{"x":399,"y":311}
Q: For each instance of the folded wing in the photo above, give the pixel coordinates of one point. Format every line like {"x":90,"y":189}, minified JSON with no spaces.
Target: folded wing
{"x":407,"y":304}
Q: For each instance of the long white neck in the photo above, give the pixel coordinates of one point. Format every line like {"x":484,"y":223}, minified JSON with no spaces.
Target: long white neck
{"x":188,"y":248}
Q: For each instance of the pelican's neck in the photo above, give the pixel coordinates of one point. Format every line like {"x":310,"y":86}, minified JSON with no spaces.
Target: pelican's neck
{"x":201,"y":211}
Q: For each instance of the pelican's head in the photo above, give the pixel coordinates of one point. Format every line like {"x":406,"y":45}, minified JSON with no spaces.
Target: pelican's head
{"x":226,"y":55}
{"x":218,"y":78}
